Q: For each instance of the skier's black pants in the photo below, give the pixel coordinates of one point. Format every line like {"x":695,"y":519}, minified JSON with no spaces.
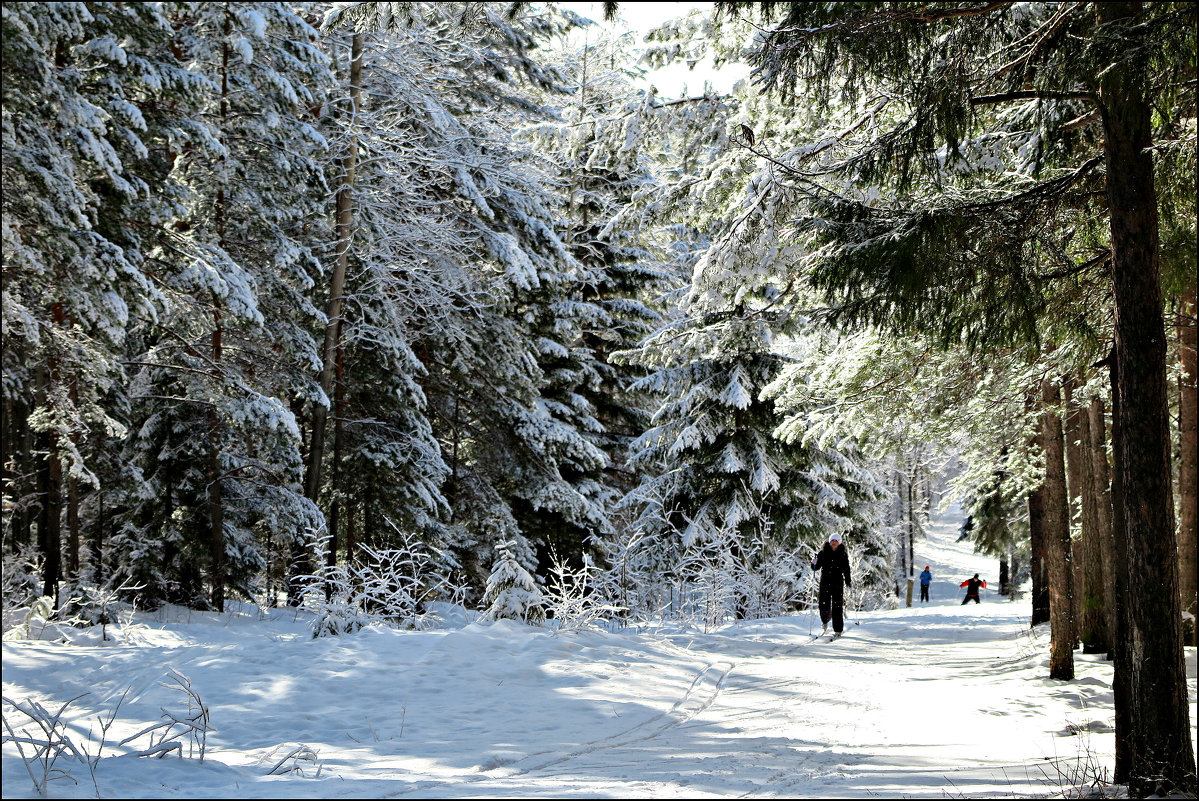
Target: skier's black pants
{"x":924,"y":592}
{"x":832,"y":604}
{"x":970,"y":598}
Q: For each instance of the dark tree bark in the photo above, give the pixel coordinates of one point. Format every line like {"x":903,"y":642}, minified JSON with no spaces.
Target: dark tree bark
{"x":1092,"y":629}
{"x":73,"y":527}
{"x":214,"y":474}
{"x":1122,"y":675}
{"x":1057,"y":538}
{"x":50,"y":516}
{"x":1188,"y":460}
{"x":1038,"y":566}
{"x":1162,"y":756}
{"x":1097,"y":428}
{"x":216,"y":504}
{"x":1072,"y":431}
{"x":351,"y":533}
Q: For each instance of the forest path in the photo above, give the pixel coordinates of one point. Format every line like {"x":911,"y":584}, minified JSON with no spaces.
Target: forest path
{"x":904,"y":703}
{"x":939,"y":699}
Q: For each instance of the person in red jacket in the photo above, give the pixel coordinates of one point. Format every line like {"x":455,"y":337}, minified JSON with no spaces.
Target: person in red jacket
{"x":972,"y":585}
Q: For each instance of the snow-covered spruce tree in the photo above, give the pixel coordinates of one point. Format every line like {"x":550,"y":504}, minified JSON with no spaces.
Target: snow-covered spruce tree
{"x":395,"y":259}
{"x":715,"y":465}
{"x":460,"y":90}
{"x":90,"y":91}
{"x":602,"y":149}
{"x":512,"y":592}
{"x":214,"y":434}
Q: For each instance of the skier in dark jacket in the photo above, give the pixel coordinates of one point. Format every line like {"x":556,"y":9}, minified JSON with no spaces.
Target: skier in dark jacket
{"x":926,"y":578}
{"x":972,"y":585}
{"x":833,"y":564}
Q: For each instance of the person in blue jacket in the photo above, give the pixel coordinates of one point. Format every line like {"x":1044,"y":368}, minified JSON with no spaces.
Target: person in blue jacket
{"x":926,"y":578}
{"x":833,"y":564}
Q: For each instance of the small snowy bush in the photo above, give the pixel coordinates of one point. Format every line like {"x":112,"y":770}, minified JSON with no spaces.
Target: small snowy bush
{"x":512,"y":592}
{"x":19,"y":576}
{"x":571,"y":597}
{"x":635,"y":579}
{"x":381,"y":585}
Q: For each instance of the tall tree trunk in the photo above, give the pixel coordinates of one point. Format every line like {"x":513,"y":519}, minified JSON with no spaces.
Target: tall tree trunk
{"x":1057,"y":538}
{"x":73,"y":502}
{"x":50,"y":475}
{"x":344,"y":214}
{"x":1122,"y":655}
{"x":343,"y":226}
{"x":1093,"y":622}
{"x":1038,"y":565}
{"x":73,"y":527}
{"x":1163,"y":757}
{"x":214,"y":477}
{"x":1072,"y":431}
{"x":49,"y":483}
{"x":351,"y":533}
{"x":1188,"y":465}
{"x":97,"y":539}
{"x":1097,"y":427}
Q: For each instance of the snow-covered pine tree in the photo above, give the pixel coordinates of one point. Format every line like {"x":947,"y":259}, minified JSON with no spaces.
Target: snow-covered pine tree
{"x":458,"y":90}
{"x":602,"y":151}
{"x":512,"y":592}
{"x":714,"y":462}
{"x":214,"y":434}
{"x":90,"y":92}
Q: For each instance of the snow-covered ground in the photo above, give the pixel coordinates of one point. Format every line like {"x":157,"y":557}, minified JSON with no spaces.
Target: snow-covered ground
{"x":936,"y":700}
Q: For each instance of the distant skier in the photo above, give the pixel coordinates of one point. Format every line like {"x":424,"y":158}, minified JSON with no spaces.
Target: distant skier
{"x":972,"y":585}
{"x":926,"y":578}
{"x":967,"y":527}
{"x":833,"y":564}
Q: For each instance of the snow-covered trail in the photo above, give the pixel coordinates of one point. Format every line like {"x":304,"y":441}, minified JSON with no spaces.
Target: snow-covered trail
{"x":917,"y":702}
{"x":923,"y":702}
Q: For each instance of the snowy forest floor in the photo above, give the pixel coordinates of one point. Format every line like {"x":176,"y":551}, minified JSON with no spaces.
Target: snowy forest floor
{"x":933,"y":701}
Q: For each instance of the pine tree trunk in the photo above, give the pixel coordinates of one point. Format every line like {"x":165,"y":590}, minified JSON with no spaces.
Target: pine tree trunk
{"x":1122,"y":654}
{"x":73,"y":527}
{"x":1097,"y":428}
{"x":351,"y":534}
{"x":1038,"y":565}
{"x":1093,"y":622}
{"x":344,"y":215}
{"x":1074,"y":482}
{"x":1057,"y":538}
{"x":73,"y":503}
{"x":49,"y":479}
{"x":1163,"y":757}
{"x":97,"y":539}
{"x":1188,"y":463}
{"x":216,"y":503}
{"x":50,"y":516}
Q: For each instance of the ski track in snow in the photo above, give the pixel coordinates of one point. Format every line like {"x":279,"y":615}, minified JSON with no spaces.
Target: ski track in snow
{"x":935,"y":700}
